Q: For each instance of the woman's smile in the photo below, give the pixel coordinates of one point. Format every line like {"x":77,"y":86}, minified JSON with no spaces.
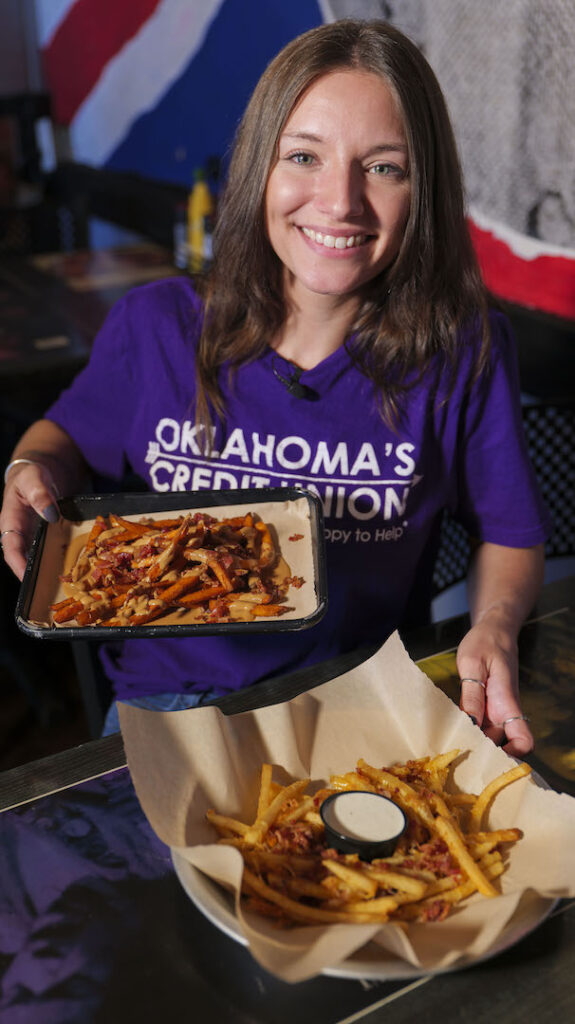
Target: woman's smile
{"x":334,"y":241}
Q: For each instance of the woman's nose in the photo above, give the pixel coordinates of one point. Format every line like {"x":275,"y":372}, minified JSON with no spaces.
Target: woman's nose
{"x":340,"y":192}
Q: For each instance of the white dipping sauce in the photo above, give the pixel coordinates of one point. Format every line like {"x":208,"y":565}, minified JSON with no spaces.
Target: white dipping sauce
{"x":364,"y":816}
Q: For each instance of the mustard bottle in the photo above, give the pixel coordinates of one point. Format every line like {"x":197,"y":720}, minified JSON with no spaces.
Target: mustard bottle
{"x":200,"y":209}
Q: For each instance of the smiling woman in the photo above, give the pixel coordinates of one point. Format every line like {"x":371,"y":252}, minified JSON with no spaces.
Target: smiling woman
{"x":362,"y":91}
{"x":341,"y":343}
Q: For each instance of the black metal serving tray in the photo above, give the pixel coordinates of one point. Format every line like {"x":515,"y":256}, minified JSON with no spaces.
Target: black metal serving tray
{"x":82,"y":508}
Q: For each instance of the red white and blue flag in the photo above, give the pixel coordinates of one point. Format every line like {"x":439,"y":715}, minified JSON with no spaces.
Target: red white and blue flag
{"x":155,"y":87}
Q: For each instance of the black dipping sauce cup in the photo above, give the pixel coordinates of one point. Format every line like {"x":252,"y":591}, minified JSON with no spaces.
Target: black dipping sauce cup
{"x":362,"y":822}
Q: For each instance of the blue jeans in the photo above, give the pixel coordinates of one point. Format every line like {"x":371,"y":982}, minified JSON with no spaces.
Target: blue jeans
{"x":158,"y":702}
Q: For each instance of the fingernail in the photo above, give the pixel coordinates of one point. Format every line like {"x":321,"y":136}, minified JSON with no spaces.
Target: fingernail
{"x":473,"y":719}
{"x":50,"y":514}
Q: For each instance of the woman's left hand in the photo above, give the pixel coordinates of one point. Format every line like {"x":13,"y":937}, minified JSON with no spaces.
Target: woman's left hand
{"x":488,"y":669}
{"x":503,"y":584}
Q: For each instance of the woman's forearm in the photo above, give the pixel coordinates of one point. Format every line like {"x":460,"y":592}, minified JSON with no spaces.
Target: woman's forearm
{"x":47,"y":444}
{"x":504,"y":583}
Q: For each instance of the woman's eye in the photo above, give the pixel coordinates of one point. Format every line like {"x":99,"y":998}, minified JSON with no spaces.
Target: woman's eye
{"x":303,"y":159}
{"x":387,"y":170}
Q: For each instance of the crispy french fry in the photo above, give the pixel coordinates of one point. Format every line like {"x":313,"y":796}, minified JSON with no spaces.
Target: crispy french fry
{"x":296,"y":886}
{"x":262,"y":860}
{"x":139,"y":618}
{"x":461,"y":799}
{"x":66,"y":610}
{"x":63,"y":605}
{"x":222,"y":821}
{"x":350,"y":781}
{"x":495,"y":838}
{"x":405,"y":793}
{"x":130,"y":530}
{"x":300,"y":911}
{"x":397,"y":880}
{"x":264,"y":798}
{"x":199,"y":596}
{"x":382,"y":907}
{"x":98,"y":528}
{"x":441,"y":761}
{"x":172,"y":593}
{"x":356,"y":880}
{"x":304,"y":809}
{"x":495,"y":786}
{"x":458,"y":849}
{"x":269,"y":609}
{"x":261,"y":825}
{"x":267,"y":549}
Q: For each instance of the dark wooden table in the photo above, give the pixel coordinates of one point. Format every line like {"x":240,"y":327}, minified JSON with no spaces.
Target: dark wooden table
{"x":94,"y":925}
{"x":52,"y":305}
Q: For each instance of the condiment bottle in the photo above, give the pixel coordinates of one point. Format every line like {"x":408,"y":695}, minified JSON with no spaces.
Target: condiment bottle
{"x":200,"y":209}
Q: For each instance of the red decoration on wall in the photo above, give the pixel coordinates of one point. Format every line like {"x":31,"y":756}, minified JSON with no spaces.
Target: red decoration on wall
{"x":545,"y":282}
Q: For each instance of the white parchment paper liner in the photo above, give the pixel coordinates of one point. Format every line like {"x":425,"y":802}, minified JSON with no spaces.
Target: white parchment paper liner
{"x":384,"y":710}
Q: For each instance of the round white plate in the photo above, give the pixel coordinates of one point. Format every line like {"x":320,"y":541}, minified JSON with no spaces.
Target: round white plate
{"x":371,"y":961}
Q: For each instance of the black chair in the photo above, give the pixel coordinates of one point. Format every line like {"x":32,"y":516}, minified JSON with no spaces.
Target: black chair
{"x":550,"y":435}
{"x":31,"y":221}
{"x":452,"y":557}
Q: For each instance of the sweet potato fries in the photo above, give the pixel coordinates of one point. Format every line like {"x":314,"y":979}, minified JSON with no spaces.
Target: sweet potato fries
{"x":129,"y":573}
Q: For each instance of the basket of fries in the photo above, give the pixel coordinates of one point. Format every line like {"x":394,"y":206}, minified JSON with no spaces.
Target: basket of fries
{"x":238,"y":798}
{"x":174,"y":564}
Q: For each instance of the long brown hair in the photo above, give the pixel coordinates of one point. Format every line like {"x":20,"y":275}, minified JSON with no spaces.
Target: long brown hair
{"x":413,"y":309}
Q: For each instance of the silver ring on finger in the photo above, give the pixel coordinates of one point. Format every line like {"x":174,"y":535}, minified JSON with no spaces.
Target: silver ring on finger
{"x":514,"y":718}
{"x":469,"y":679}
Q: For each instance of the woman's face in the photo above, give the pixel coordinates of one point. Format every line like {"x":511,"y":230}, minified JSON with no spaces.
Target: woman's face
{"x":337,"y":199}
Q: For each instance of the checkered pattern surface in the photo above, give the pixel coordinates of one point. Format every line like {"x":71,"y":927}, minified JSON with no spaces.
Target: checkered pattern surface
{"x":550,"y":435}
{"x":452,"y":556}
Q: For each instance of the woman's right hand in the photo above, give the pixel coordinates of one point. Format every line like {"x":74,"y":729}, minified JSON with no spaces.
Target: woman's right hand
{"x":46,"y":464}
{"x":30,"y":492}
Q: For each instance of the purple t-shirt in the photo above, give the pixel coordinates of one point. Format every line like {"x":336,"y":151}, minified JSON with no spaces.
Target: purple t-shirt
{"x":383,"y":491}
